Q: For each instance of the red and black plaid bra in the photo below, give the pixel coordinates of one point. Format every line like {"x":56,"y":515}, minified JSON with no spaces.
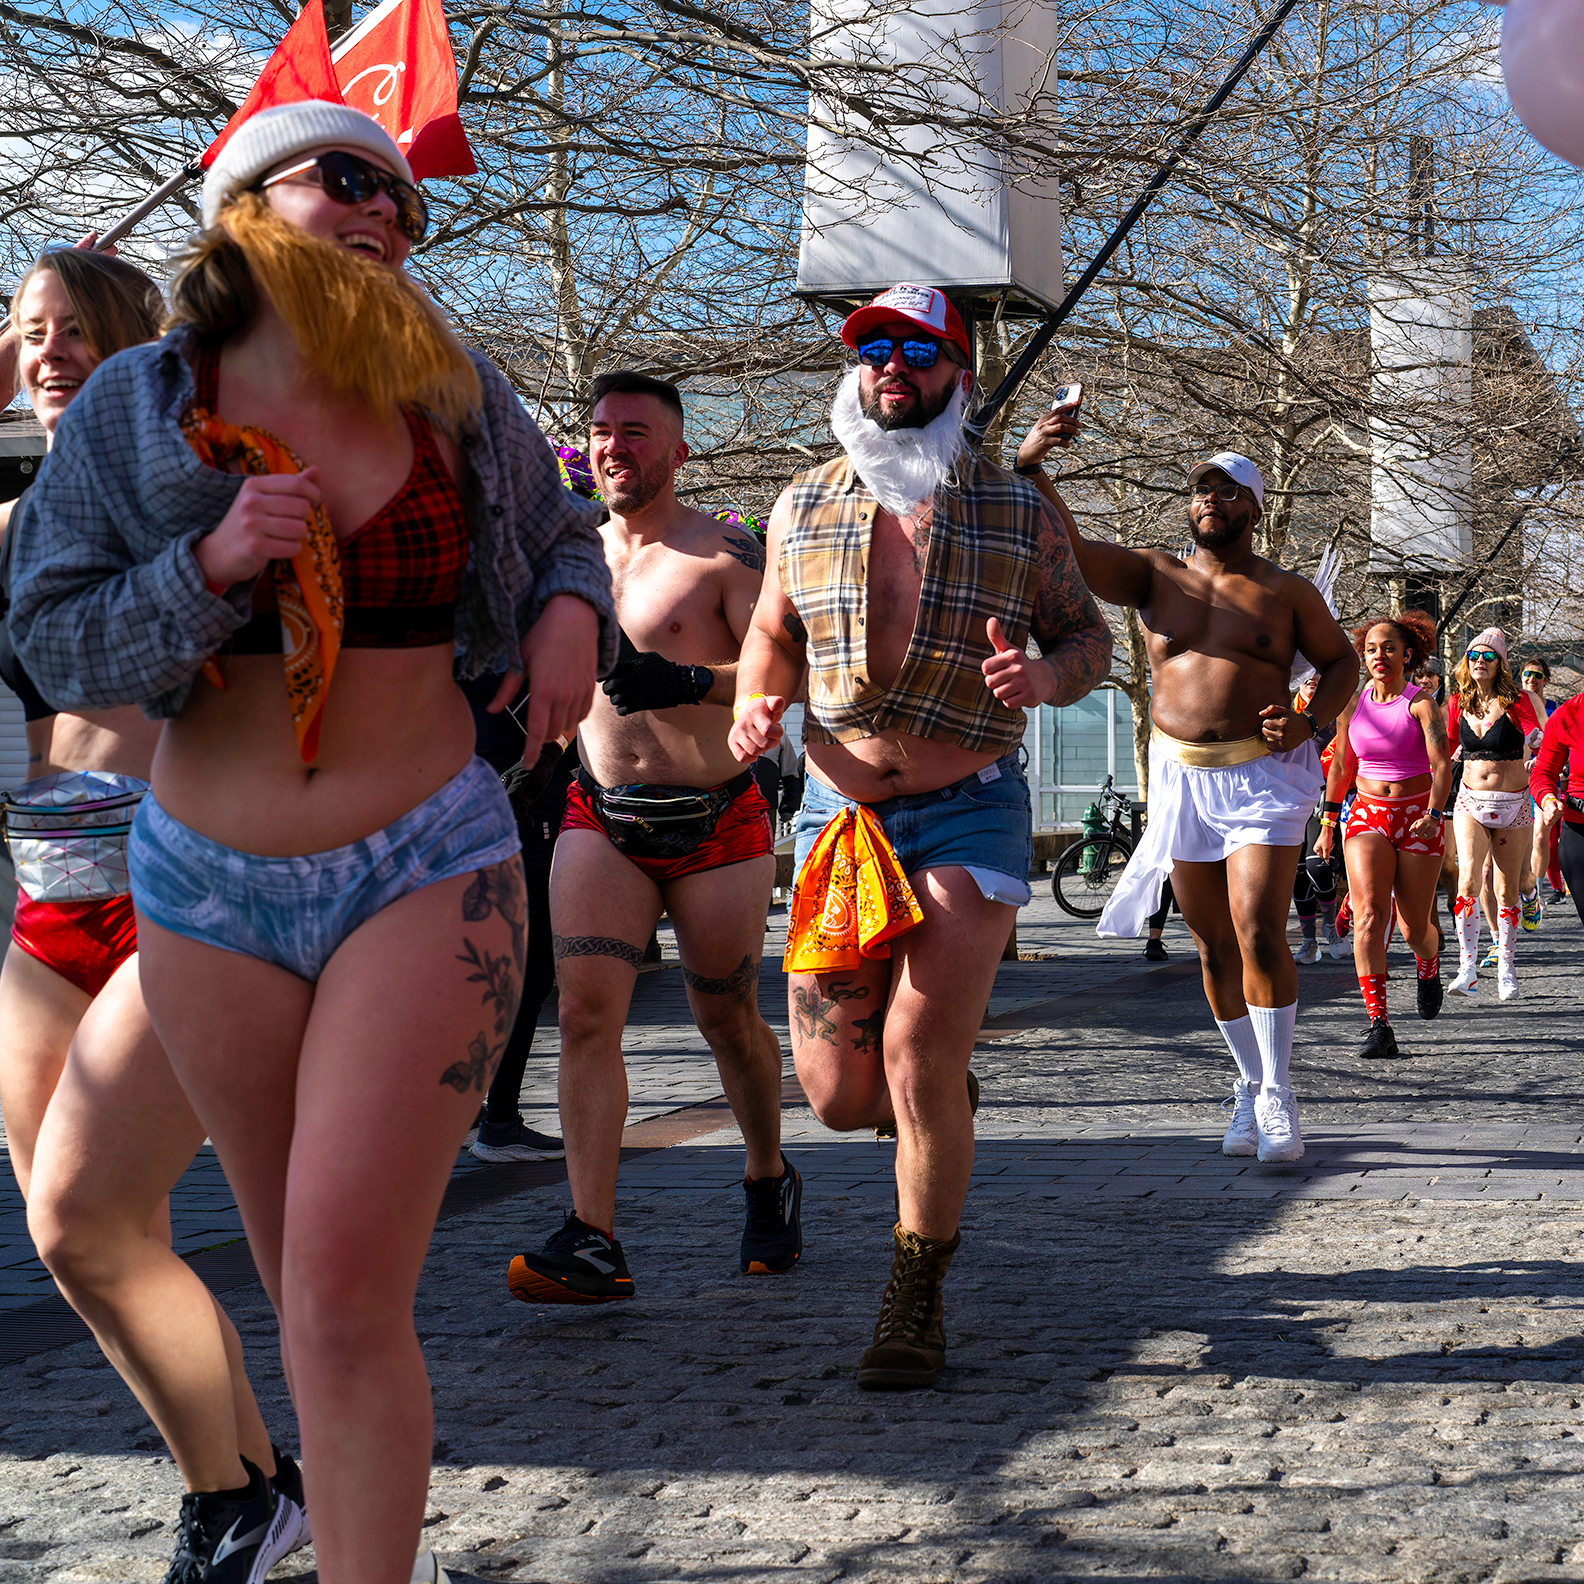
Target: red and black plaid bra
{"x":401,"y":572}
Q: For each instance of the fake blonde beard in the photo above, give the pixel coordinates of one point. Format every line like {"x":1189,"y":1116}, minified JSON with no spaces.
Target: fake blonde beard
{"x":369,"y":330}
{"x":902,"y":467}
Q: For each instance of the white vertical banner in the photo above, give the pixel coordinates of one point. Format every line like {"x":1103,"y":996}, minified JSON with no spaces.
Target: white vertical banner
{"x":1421,"y":446}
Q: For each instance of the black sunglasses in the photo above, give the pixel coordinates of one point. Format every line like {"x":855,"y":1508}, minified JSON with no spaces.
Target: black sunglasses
{"x":350,"y":179}
{"x":917,"y":352}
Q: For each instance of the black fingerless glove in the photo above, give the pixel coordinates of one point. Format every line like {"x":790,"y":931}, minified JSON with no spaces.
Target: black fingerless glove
{"x":651,"y":682}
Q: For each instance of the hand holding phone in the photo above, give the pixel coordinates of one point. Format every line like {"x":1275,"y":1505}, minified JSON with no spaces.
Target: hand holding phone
{"x":1068,"y":396}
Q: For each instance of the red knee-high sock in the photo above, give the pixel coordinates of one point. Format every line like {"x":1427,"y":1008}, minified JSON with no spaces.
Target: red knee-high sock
{"x":1374,"y":988}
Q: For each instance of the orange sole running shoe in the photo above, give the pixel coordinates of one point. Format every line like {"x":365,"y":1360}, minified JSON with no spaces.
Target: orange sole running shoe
{"x":577,"y":1265}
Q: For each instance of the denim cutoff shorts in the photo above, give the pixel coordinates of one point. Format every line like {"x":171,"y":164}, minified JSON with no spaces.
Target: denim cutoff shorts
{"x":974,"y":823}
{"x":294,"y":912}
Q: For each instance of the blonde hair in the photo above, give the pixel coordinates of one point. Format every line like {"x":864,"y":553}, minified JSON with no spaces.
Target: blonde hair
{"x":368,"y":329}
{"x":115,"y":304}
{"x":1467,"y":689}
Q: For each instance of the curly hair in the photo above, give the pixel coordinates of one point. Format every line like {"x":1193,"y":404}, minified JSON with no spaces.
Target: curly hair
{"x":1415,"y":628}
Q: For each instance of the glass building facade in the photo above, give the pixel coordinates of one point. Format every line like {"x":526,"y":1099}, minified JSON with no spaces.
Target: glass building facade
{"x":1072,"y":750}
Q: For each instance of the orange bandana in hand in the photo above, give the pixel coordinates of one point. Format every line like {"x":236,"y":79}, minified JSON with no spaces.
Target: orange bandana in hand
{"x":307,"y":588}
{"x":851,"y":897}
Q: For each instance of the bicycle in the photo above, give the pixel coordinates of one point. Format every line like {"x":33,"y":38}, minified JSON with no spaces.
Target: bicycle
{"x":1087,"y":873}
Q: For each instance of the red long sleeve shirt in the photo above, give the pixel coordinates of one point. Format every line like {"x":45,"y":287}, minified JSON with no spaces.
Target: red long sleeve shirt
{"x":1564,"y":739}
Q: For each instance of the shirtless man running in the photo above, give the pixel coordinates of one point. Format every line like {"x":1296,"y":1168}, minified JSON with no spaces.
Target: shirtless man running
{"x":905,"y":579}
{"x":662,"y":817}
{"x":1234,"y":775}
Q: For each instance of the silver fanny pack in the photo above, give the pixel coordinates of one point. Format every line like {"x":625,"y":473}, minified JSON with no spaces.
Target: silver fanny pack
{"x":68,"y":834}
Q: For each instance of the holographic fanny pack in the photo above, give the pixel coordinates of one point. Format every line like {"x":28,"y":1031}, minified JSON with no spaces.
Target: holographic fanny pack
{"x":68,"y":834}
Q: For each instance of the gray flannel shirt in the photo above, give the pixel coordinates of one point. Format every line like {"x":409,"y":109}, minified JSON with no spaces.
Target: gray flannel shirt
{"x":108,"y":605}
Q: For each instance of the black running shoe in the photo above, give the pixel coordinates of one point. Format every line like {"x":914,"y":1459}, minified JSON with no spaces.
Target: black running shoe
{"x":1379,"y":1042}
{"x":515,"y":1141}
{"x":1431,"y":994}
{"x":577,"y":1265}
{"x":291,"y":1507}
{"x":226,"y":1535}
{"x":772,"y":1240}
{"x":1154,"y":951}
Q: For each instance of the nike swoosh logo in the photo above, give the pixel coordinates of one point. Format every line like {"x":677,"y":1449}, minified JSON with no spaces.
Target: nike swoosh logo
{"x":594,"y":1260}
{"x":235,"y":1542}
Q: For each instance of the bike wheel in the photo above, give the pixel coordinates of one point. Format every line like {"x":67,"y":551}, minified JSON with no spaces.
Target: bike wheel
{"x":1087,"y":873}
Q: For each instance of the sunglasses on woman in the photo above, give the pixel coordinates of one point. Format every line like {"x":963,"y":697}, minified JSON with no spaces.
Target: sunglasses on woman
{"x":351,"y":180}
{"x":1222,"y":492}
{"x":917,"y":352}
{"x":1489,"y":656}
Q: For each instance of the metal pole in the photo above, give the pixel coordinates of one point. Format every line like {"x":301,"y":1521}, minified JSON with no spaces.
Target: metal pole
{"x":1043,"y":337}
{"x":187,"y":173}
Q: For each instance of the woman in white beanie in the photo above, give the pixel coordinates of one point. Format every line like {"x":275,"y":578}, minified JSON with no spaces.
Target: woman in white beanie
{"x":284,"y":529}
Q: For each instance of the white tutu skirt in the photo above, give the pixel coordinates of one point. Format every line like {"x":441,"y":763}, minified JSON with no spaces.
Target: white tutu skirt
{"x":1203,"y":816}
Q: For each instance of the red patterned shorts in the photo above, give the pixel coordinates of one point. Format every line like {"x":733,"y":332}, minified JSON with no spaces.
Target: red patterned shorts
{"x":742,"y":832}
{"x":1393,"y":818}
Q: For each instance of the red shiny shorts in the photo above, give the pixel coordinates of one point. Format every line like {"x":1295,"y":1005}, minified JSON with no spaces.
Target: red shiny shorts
{"x":1393,"y":818}
{"x":742,"y":832}
{"x":84,"y":942}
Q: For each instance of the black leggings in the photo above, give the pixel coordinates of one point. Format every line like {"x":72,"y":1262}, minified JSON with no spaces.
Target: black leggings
{"x":500,"y":1105}
{"x":1314,"y":886}
{"x":1570,"y":854}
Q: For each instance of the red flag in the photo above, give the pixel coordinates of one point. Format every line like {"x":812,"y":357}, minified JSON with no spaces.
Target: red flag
{"x":299,"y":69}
{"x":397,"y":65}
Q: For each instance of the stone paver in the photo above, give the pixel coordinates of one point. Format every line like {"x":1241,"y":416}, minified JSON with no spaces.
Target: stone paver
{"x":1164,"y":1364}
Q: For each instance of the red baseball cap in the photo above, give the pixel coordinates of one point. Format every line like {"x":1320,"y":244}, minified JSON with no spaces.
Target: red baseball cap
{"x":920,"y":305}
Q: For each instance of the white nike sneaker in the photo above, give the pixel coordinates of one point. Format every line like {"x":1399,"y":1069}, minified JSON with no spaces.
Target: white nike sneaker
{"x":1309,"y":952}
{"x":1242,"y":1137}
{"x":427,"y":1570}
{"x":1506,"y":980}
{"x":1466,"y":982}
{"x":1276,"y":1114}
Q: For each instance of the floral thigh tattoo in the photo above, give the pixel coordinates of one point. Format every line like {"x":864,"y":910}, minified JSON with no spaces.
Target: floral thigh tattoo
{"x":496,"y":890}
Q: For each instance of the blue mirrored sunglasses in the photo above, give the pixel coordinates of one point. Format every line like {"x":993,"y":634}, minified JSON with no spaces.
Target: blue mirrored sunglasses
{"x":1489,"y":656}
{"x":919,"y":354}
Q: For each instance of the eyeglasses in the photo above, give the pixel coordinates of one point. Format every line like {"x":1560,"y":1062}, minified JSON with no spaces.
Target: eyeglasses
{"x":1222,"y":492}
{"x":917,"y":353}
{"x":1489,"y":656}
{"x":349,"y":179}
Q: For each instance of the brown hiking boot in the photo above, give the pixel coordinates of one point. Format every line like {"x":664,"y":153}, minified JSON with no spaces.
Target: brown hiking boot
{"x":909,"y":1339}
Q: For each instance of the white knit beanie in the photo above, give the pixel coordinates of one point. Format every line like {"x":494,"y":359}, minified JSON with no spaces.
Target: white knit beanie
{"x":272,"y":136}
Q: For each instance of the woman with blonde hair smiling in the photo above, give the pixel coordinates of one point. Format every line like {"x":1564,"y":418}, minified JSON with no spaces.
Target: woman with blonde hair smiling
{"x":313,"y":509}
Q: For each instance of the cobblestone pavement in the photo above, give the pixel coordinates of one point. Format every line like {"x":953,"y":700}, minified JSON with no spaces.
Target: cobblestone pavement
{"x":1163,"y":1364}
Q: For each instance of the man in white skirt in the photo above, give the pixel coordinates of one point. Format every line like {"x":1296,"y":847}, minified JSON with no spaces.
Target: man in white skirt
{"x":1234,"y":775}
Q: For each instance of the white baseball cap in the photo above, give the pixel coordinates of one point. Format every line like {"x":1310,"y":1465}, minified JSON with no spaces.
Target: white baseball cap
{"x":1235,"y":467}
{"x":272,"y":136}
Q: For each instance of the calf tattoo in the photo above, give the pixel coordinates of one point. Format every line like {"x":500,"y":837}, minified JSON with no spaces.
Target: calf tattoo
{"x":595,"y":946}
{"x":739,"y":984}
{"x":500,"y":889}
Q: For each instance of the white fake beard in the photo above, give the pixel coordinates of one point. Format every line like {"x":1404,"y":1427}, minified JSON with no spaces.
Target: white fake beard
{"x":902,"y":467}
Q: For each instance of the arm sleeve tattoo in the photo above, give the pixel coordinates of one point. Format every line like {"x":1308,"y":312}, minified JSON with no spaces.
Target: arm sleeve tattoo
{"x":1072,"y":635}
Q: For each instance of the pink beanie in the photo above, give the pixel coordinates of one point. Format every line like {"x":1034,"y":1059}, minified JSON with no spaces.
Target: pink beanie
{"x":1491,"y":638}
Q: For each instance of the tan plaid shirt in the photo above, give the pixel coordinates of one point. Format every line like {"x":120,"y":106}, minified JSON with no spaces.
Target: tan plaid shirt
{"x":981,"y":563}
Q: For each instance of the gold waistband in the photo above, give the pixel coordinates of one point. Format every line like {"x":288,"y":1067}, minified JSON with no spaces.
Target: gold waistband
{"x":1210,"y":756}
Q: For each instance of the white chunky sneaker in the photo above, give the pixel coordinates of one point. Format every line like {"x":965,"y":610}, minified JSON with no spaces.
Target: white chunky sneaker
{"x":1506,"y":979}
{"x":427,"y":1570}
{"x":1242,"y":1137}
{"x":1309,"y":952}
{"x":1276,"y":1114}
{"x":1466,"y":983}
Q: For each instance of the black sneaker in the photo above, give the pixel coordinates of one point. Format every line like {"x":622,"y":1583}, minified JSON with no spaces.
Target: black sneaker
{"x":292,"y":1529}
{"x":1379,"y":1042}
{"x":1154,"y":951}
{"x":1431,"y":994}
{"x":772,"y":1240}
{"x":577,"y":1265}
{"x":515,"y":1141}
{"x":226,"y":1535}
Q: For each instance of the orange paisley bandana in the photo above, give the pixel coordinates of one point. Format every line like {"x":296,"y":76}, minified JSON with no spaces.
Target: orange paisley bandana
{"x":307,"y":588}
{"x":851,"y":897}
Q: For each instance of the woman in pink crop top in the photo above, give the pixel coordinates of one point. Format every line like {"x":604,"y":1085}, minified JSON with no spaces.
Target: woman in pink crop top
{"x":1392,"y":740}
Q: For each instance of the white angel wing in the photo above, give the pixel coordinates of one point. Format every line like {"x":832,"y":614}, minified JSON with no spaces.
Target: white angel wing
{"x":1325,"y":580}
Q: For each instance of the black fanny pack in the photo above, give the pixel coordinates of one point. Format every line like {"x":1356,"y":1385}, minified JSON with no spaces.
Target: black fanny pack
{"x":661,"y":821}
{"x":1574,"y":803}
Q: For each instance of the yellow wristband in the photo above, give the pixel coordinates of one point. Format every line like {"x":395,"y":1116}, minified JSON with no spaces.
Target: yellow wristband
{"x":1326,"y":819}
{"x":743,"y":704}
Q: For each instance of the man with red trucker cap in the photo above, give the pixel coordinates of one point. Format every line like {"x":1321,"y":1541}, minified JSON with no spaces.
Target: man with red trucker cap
{"x":904,"y":581}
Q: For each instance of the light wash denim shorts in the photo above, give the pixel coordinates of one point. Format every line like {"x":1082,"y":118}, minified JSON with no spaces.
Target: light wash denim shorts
{"x":976,"y":824}
{"x":295,"y":912}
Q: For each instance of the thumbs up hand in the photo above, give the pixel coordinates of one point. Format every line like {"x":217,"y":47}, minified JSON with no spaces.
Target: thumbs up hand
{"x":1015,"y":679}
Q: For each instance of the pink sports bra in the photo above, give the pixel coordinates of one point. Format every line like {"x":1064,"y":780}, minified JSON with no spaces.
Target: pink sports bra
{"x":1388,"y":742}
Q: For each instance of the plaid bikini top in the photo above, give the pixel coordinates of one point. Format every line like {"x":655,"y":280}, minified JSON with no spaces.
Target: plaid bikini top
{"x":401,"y":572}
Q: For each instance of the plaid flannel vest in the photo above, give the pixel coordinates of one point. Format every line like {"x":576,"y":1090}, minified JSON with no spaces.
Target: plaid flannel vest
{"x":982,"y":562}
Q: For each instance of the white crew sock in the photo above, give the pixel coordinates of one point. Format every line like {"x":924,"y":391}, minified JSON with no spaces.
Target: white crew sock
{"x":1273,"y":1028}
{"x":1239,"y":1035}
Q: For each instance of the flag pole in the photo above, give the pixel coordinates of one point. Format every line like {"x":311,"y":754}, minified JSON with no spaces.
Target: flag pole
{"x":189,"y":172}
